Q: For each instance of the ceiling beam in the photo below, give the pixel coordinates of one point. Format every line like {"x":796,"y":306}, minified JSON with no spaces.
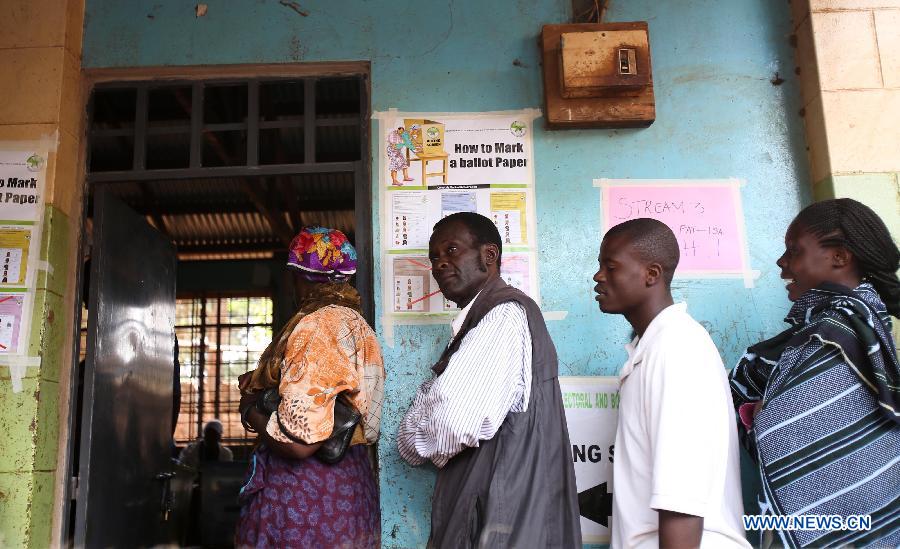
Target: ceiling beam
{"x":255,"y":194}
{"x":343,"y":203}
{"x":220,"y":171}
{"x":149,"y":199}
{"x":289,"y":193}
{"x":274,"y":216}
{"x":229,"y":247}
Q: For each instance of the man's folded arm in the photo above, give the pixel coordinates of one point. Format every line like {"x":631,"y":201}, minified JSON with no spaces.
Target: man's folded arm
{"x":470,"y":399}
{"x":406,"y":433}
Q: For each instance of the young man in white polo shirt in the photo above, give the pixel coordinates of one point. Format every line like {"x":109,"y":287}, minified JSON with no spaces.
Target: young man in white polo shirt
{"x":676,"y":475}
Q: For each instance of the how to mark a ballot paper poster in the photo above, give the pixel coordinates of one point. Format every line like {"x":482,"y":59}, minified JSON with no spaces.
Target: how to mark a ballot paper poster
{"x":592,"y":411}
{"x":22,"y":184}
{"x":434,"y":165}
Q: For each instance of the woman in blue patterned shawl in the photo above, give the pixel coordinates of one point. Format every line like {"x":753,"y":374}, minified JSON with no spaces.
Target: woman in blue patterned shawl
{"x":819,"y":404}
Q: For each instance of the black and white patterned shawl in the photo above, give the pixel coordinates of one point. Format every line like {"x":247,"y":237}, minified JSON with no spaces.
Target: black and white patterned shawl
{"x":827,"y":438}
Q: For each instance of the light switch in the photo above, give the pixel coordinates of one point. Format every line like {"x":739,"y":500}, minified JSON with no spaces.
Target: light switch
{"x":627,"y":61}
{"x":597,"y":75}
{"x":594,"y":64}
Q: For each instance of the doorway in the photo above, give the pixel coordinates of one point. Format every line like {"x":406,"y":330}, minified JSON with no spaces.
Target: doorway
{"x":227,"y":170}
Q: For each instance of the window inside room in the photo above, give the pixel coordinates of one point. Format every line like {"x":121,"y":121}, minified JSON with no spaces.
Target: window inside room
{"x":219,"y":338}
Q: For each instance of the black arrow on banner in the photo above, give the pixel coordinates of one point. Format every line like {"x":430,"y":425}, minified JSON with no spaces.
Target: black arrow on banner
{"x":595,"y":504}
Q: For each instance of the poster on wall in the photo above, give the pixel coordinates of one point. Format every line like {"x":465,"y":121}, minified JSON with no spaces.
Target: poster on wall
{"x":592,"y":412}
{"x":434,"y":165}
{"x":11,"y":309}
{"x":22,"y":187}
{"x":15,"y":242}
{"x":705,"y":215}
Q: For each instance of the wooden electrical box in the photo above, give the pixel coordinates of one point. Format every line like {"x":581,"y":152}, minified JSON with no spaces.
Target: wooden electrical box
{"x":598,"y":76}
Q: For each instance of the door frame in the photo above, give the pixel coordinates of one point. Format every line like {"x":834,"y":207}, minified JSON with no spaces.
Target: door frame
{"x":363,"y":197}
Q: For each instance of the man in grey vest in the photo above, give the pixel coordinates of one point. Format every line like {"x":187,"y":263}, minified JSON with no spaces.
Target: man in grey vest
{"x":491,"y":419}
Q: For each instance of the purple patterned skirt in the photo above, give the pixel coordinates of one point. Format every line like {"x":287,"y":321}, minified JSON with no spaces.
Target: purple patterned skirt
{"x":289,"y":503}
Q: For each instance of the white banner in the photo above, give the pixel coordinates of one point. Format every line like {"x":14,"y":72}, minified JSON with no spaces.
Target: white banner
{"x":23,"y":178}
{"x":592,"y":411}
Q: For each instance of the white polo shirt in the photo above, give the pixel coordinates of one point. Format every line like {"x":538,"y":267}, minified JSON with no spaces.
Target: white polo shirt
{"x":676,"y":441}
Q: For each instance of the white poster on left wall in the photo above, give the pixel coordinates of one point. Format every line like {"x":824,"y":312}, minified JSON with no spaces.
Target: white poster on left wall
{"x":435,"y":164}
{"x":22,"y":187}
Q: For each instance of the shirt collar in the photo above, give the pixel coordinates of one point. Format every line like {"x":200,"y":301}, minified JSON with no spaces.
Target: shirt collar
{"x":635,"y":348}
{"x":461,"y":317}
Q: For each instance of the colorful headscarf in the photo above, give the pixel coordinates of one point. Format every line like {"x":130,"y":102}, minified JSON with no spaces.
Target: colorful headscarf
{"x":320,"y":255}
{"x":323,"y":255}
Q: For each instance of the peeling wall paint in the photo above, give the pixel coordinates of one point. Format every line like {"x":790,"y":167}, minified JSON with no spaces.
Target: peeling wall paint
{"x":30,"y":419}
{"x":718,"y":115}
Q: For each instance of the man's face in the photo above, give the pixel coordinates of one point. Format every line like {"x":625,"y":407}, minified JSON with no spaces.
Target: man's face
{"x":457,"y":263}
{"x":622,"y":277}
{"x":805,"y":263}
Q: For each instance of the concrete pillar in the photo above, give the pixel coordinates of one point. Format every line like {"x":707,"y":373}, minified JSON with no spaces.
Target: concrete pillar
{"x":848,"y":55}
{"x":41,"y":91}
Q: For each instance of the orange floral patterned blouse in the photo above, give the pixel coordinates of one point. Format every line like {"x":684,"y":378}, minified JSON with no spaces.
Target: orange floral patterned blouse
{"x":330,"y":351}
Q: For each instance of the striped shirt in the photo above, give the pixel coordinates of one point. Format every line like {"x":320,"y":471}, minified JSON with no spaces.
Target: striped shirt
{"x":488,"y":377}
{"x":824,"y":444}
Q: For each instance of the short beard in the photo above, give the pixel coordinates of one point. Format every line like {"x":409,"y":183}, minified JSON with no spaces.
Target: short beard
{"x":482,"y":266}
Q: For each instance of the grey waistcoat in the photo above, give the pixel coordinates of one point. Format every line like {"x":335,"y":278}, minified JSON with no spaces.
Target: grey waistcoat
{"x":517,"y":489}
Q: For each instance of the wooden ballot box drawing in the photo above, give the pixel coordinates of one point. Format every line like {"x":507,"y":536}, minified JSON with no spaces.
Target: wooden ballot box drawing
{"x":428,"y":138}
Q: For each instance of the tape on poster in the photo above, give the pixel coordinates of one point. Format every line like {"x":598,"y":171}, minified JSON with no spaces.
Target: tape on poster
{"x":388,"y":322}
{"x":46,"y":142}
{"x":394,"y":113}
{"x":555,"y":315}
{"x":45,"y":266}
{"x":18,"y":366}
{"x":749,"y":276}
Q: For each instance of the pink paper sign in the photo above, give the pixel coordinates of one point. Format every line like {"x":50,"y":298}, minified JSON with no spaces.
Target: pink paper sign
{"x":10,"y":322}
{"x":706,"y":220}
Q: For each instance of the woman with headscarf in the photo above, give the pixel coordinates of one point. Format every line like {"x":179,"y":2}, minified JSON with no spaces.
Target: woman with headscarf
{"x":291,"y":497}
{"x":819,"y":403}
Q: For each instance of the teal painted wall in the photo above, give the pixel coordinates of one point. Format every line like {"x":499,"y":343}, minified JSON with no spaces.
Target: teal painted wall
{"x":718,"y":115}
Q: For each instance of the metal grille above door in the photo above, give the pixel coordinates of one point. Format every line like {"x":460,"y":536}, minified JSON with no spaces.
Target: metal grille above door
{"x":226,"y":166}
{"x":176,"y":130}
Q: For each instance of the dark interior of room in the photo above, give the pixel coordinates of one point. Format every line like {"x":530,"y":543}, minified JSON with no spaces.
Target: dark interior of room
{"x":228,"y":172}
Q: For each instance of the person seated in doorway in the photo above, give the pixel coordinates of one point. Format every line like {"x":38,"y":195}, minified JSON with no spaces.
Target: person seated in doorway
{"x":677,"y":470}
{"x":207,"y":448}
